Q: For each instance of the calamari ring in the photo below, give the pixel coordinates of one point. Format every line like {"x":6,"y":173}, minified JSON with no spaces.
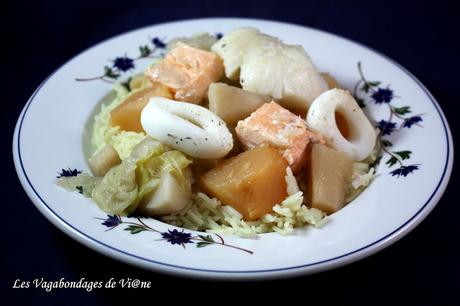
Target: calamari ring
{"x":321,"y":118}
{"x":187,"y":127}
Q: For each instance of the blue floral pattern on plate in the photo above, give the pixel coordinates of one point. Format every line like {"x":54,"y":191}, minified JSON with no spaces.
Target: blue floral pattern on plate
{"x":174,"y":236}
{"x":122,"y":64}
{"x":398,"y":118}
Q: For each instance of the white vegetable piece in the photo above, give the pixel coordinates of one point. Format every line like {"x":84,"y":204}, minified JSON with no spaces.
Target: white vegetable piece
{"x":321,"y":118}
{"x":169,"y":197}
{"x":189,"y":128}
{"x":103,"y":160}
{"x":232,"y":103}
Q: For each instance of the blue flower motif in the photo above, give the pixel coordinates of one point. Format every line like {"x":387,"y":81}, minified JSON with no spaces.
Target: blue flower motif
{"x":123,"y":63}
{"x":386,"y":127}
{"x":159,"y":43}
{"x":68,"y":173}
{"x":404,"y":170}
{"x":176,"y":237}
{"x":219,"y":35}
{"x":412,"y":120}
{"x":112,"y":221}
{"x":382,"y":95}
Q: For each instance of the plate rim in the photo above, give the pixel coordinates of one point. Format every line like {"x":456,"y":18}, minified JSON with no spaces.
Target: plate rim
{"x":173,"y":269}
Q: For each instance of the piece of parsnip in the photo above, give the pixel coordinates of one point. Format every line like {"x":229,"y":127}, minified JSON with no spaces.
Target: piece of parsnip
{"x":103,"y":160}
{"x":328,"y":178}
{"x":233,"y":104}
{"x":169,"y":197}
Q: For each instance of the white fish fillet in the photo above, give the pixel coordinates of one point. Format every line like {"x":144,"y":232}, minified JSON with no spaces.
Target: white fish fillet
{"x":268,"y":66}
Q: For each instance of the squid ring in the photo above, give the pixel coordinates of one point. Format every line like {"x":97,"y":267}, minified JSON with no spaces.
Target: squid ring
{"x":321,"y":117}
{"x":187,"y":127}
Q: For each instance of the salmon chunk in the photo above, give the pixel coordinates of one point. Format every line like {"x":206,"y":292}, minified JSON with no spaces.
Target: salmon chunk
{"x":274,"y":125}
{"x":188,"y":72}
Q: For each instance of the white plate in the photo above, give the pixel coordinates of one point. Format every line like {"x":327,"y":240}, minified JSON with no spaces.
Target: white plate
{"x":49,"y":136}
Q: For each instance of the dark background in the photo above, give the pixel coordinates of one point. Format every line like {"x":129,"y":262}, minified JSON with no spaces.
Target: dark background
{"x":37,"y":37}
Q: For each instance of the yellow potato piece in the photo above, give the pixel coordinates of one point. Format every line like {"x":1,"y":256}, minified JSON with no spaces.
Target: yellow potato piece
{"x":127,"y":115}
{"x":251,"y":182}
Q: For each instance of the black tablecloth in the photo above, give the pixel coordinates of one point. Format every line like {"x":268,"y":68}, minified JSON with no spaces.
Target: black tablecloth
{"x":422,"y":268}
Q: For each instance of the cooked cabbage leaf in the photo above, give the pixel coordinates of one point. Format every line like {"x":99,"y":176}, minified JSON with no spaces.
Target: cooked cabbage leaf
{"x":124,"y":186}
{"x":150,"y":170}
{"x":83,"y":183}
{"x":118,"y":189}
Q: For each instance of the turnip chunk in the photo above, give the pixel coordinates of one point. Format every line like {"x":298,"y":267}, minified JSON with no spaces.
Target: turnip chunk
{"x":329,"y":175}
{"x":232,"y":103}
{"x":103,"y":160}
{"x":169,"y":197}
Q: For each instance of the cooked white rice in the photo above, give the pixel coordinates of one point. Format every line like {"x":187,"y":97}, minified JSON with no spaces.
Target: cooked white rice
{"x":362,"y":177}
{"x":205,"y":213}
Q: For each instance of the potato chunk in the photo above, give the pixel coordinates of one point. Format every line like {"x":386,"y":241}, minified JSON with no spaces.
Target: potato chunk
{"x":127,"y":115}
{"x":251,"y":182}
{"x":233,"y":104}
{"x":328,"y":178}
